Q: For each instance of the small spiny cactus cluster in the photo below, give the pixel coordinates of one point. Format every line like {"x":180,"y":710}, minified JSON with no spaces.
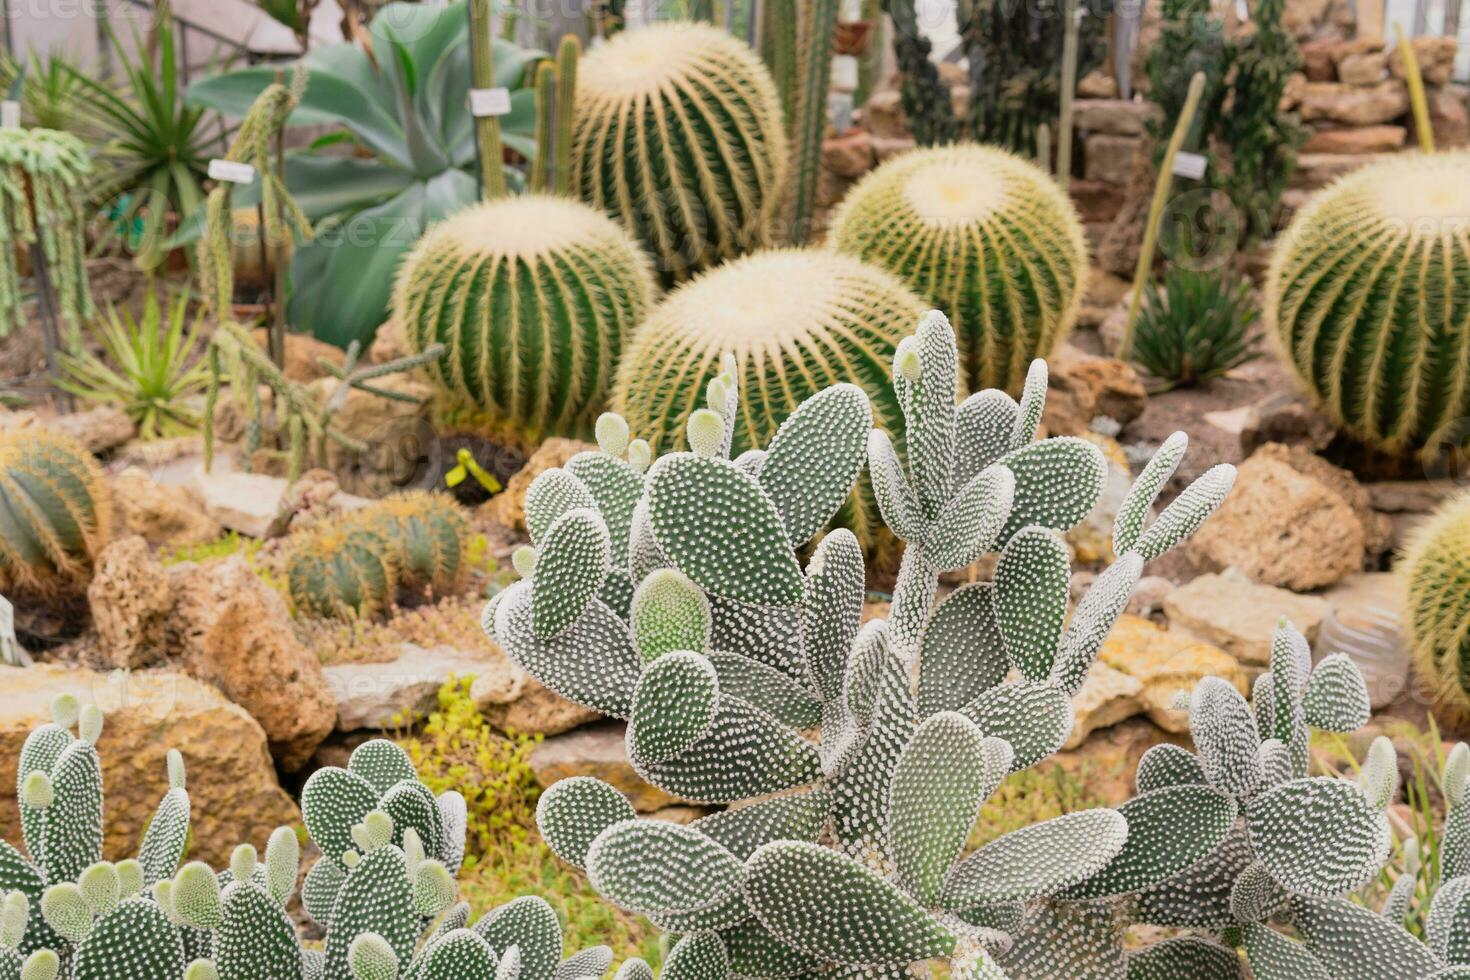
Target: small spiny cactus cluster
{"x":1364,"y":301}
{"x":356,"y":565}
{"x":984,"y":234}
{"x":1435,"y":570}
{"x":848,"y":851}
{"x":795,"y":321}
{"x":534,"y":298}
{"x":55,"y":513}
{"x":680,"y":137}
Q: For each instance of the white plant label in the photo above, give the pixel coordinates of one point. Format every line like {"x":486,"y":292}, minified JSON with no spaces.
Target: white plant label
{"x":487,"y":102}
{"x":1190,"y":165}
{"x":231,"y":172}
{"x":9,"y":115}
{"x":9,"y":646}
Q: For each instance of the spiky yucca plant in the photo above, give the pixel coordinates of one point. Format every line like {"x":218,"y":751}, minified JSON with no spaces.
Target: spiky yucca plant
{"x":55,"y":513}
{"x":795,"y":321}
{"x":981,"y":233}
{"x":534,"y":297}
{"x":1363,"y":298}
{"x":848,"y":850}
{"x":342,"y":568}
{"x":428,"y":533}
{"x":1435,"y":571}
{"x":680,"y":137}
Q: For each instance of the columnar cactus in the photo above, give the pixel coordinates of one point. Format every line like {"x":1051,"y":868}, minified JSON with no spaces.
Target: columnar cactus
{"x":794,"y":320}
{"x":680,"y":138}
{"x":981,"y":233}
{"x":1435,"y":570}
{"x":55,"y":513}
{"x":1362,"y":298}
{"x":534,"y":297}
{"x":730,"y":654}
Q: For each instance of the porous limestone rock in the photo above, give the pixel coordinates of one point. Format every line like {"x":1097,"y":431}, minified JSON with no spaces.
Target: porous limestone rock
{"x":1239,"y":615}
{"x":131,"y":602}
{"x":1166,"y":663}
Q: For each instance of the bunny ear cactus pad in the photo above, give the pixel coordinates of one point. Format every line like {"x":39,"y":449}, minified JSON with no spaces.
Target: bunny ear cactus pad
{"x":796,"y":322}
{"x":1363,"y":298}
{"x":55,"y":513}
{"x":1435,"y":572}
{"x":534,"y":297}
{"x":984,"y":235}
{"x":679,"y":137}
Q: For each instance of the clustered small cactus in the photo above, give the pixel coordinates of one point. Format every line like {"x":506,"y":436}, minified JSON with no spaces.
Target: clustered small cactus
{"x":356,"y":565}
{"x":55,"y":513}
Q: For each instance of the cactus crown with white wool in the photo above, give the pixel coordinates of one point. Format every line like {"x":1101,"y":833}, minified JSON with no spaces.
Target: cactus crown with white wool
{"x":673,"y":598}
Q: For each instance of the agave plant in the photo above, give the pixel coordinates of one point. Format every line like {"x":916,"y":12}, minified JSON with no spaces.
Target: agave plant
{"x":148,"y":367}
{"x":402,"y":104}
{"x":1196,"y":328}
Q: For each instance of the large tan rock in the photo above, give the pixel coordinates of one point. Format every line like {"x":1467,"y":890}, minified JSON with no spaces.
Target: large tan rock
{"x":1239,"y":615}
{"x":165,"y":516}
{"x":1435,"y":55}
{"x":1166,"y":663}
{"x":1120,"y":117}
{"x":1449,"y":116}
{"x":244,"y":502}
{"x":1353,"y":105}
{"x":1364,"y":139}
{"x":1107,"y":697}
{"x":371,"y":696}
{"x":1083,"y":387}
{"x":304,"y":356}
{"x":398,"y":434}
{"x":597,"y":750}
{"x":1342,"y":482}
{"x":1281,"y":527}
{"x":849,"y":155}
{"x":1110,"y":158}
{"x":232,"y":785}
{"x":99,"y":430}
{"x":130,"y":602}
{"x":883,"y":115}
{"x":234,"y":632}
{"x":508,"y":508}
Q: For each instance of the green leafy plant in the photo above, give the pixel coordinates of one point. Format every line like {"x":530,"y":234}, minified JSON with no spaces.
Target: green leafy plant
{"x":1197,"y":327}
{"x":156,"y":155}
{"x":149,"y":368}
{"x":48,"y":92}
{"x":403,"y":106}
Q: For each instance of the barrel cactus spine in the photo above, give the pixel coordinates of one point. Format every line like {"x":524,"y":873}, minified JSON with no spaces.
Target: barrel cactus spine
{"x":342,"y":568}
{"x":1435,"y":572}
{"x":55,"y":513}
{"x":984,"y":235}
{"x":795,"y":321}
{"x":1364,"y":298}
{"x":680,"y":137}
{"x":534,"y":297}
{"x":429,"y":536}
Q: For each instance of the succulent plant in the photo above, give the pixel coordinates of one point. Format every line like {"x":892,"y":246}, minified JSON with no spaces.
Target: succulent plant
{"x":1362,"y":300}
{"x":1196,"y":328}
{"x":795,"y":321}
{"x":1435,"y":570}
{"x":983,"y":234}
{"x":680,"y":137}
{"x":15,"y":916}
{"x":847,"y":849}
{"x":46,"y":176}
{"x":55,"y":513}
{"x":428,"y":534}
{"x":534,"y":297}
{"x":342,"y":568}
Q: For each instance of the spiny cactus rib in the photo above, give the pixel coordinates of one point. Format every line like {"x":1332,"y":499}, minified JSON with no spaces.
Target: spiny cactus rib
{"x":572,"y":812}
{"x":1434,"y":571}
{"x":1360,"y":299}
{"x":984,"y":235}
{"x":676,"y":876}
{"x":342,"y":568}
{"x":828,"y":905}
{"x":1318,"y":836}
{"x":679,"y":137}
{"x":55,"y":513}
{"x":428,"y":535}
{"x":520,"y":281}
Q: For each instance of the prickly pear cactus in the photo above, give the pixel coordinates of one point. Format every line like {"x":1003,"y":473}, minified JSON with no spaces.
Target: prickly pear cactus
{"x":731,"y":654}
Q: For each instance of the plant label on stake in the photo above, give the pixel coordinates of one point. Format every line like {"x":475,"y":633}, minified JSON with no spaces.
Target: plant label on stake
{"x":9,"y":114}
{"x":488,"y":102}
{"x":1190,"y":165}
{"x":231,"y":172}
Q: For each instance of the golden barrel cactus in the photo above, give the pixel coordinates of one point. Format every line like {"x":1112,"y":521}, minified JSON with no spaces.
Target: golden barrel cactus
{"x":796,"y":321}
{"x":534,"y":297}
{"x":1369,"y":300}
{"x":1435,"y":569}
{"x":55,"y":513}
{"x":680,"y":137}
{"x":983,"y":235}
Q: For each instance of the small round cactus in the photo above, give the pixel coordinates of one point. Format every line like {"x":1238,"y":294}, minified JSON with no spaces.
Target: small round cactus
{"x":1365,"y":299}
{"x":1436,"y":574}
{"x":342,"y":569}
{"x":429,"y":535}
{"x":55,"y":513}
{"x":679,"y":136}
{"x":983,"y":235}
{"x":534,"y":297}
{"x":795,"y":321}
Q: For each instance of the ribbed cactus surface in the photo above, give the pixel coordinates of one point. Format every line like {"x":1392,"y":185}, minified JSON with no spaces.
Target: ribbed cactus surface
{"x":1435,"y":571}
{"x":55,"y":512}
{"x":534,"y":297}
{"x":795,"y":321}
{"x":984,"y":235}
{"x":342,"y":569}
{"x":428,"y":533}
{"x":1367,"y":300}
{"x":680,"y":137}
